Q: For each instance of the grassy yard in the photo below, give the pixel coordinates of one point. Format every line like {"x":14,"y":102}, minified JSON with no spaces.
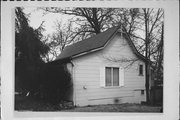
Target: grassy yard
{"x":126,"y":107}
{"x":29,"y":104}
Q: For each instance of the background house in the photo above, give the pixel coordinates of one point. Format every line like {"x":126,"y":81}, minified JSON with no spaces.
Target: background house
{"x":105,"y":69}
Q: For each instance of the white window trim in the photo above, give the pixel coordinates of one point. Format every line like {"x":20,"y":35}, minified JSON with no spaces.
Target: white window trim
{"x":103,"y":79}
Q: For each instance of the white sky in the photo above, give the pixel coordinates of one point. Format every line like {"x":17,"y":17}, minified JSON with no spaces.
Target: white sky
{"x":36,"y":17}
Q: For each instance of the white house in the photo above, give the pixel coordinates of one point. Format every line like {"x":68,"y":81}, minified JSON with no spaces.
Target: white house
{"x":106,"y":69}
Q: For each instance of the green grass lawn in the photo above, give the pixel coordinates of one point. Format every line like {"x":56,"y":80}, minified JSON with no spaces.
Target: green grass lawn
{"x":30,"y":104}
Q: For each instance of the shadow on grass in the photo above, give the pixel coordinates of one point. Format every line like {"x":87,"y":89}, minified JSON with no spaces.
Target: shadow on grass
{"x":23,"y":103}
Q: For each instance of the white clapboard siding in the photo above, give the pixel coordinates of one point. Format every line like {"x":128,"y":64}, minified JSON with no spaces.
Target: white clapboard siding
{"x":90,"y":73}
{"x":102,"y":76}
{"x":121,"y":76}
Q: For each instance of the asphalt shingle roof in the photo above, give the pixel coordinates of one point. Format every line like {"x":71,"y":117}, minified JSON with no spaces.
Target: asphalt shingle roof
{"x":95,"y":42}
{"x":86,"y":45}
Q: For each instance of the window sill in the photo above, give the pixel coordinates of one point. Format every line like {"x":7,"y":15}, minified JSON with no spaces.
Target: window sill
{"x":112,"y":87}
{"x":141,"y":75}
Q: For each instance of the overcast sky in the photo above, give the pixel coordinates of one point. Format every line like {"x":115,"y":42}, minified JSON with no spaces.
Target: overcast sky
{"x":36,"y":17}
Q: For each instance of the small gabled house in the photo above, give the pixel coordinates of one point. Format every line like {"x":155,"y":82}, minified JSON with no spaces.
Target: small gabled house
{"x":105,"y":69}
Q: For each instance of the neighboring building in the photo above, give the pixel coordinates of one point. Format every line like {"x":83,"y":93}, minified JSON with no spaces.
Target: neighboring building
{"x":105,"y":69}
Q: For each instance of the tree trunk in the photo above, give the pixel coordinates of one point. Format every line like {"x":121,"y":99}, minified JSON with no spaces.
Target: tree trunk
{"x":147,"y":82}
{"x":147,"y":56}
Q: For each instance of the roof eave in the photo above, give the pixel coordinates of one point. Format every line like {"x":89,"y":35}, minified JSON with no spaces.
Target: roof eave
{"x":97,"y":49}
{"x":139,"y":55}
{"x":87,"y":52}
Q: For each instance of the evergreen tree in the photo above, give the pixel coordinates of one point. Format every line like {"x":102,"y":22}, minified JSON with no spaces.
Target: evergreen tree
{"x":29,"y":50}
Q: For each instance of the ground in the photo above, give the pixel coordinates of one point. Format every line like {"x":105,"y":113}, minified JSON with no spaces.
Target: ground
{"x":116,"y":108}
{"x":29,"y":104}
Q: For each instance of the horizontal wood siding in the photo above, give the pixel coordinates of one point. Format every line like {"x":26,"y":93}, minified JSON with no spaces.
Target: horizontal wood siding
{"x":87,"y":76}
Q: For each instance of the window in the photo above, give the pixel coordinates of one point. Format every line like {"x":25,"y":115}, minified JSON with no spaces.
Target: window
{"x":111,"y":76}
{"x":142,"y":92}
{"x":140,"y":69}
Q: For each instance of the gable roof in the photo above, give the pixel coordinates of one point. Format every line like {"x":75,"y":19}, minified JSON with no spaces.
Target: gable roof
{"x":94,"y":43}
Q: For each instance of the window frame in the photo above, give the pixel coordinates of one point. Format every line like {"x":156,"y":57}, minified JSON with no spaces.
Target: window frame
{"x":112,"y":77}
{"x":142,"y":92}
{"x":139,"y":70}
{"x":103,"y":79}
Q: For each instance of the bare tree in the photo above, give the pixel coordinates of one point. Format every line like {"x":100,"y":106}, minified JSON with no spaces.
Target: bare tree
{"x":152,"y":23}
{"x":59,"y":39}
{"x":89,"y":20}
{"x":158,"y":56}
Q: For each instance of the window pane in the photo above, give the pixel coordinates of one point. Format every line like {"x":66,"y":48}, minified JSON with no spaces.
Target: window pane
{"x":142,"y":92}
{"x":115,"y":76}
{"x":140,"y":69}
{"x":108,"y":76}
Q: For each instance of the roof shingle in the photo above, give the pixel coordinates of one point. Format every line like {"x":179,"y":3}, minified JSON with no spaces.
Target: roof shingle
{"x":86,"y":45}
{"x":95,"y":42}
